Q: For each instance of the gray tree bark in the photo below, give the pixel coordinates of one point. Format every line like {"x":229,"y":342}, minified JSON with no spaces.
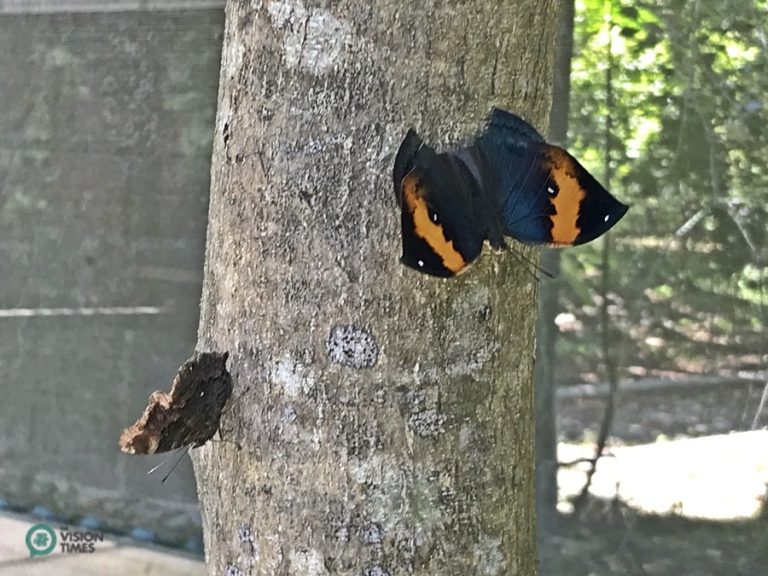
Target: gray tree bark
{"x":383,"y":421}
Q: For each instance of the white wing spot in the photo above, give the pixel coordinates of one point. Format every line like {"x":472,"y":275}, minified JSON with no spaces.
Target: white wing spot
{"x":434,"y":217}
{"x":421,"y":263}
{"x":551,"y":190}
{"x":607,"y":217}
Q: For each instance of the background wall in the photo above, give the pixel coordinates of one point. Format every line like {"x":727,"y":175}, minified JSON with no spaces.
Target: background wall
{"x":105,"y":143}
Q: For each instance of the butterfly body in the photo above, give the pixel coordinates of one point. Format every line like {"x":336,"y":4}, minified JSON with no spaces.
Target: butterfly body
{"x":508,"y":182}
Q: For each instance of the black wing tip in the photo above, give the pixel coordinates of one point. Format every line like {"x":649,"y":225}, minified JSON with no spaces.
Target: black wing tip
{"x":621,"y":212}
{"x":618,"y":212}
{"x":408,"y":148}
{"x":624,"y":209}
{"x":404,"y":159}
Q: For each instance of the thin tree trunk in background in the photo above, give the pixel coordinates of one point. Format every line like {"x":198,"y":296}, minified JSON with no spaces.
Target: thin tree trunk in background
{"x":608,"y":338}
{"x":549,"y":294}
{"x":384,"y":420}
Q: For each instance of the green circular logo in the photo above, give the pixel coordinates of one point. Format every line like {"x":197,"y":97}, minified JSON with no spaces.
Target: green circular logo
{"x":41,"y":540}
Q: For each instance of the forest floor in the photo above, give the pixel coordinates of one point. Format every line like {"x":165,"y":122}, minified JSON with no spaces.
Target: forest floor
{"x":612,"y":539}
{"x":681,"y":492}
{"x":678,"y":411}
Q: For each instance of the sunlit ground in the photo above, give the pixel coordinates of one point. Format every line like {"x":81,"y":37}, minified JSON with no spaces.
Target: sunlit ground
{"x":721,"y":477}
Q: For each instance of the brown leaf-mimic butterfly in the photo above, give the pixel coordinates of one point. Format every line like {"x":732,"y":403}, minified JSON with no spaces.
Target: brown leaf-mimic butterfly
{"x":190,"y":414}
{"x":508,"y":182}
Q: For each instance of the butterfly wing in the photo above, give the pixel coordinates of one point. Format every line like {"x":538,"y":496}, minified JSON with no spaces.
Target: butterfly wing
{"x":405,"y":161}
{"x":189,"y":415}
{"x":510,"y":130}
{"x":545,"y":196}
{"x":580,"y":208}
{"x":484,"y":202}
{"x":441,"y":233}
{"x":507,"y":144}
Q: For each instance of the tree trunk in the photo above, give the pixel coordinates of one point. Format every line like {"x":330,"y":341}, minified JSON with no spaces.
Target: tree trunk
{"x":549,"y":296}
{"x":383,"y":420}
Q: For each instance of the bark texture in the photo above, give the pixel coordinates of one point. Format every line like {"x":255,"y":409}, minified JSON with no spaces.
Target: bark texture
{"x":384,"y":419}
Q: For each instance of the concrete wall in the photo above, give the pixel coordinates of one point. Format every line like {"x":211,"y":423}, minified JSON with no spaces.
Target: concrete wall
{"x":105,"y":131}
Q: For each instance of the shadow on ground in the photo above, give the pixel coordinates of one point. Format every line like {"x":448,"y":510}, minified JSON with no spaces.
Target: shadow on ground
{"x":609,"y":538}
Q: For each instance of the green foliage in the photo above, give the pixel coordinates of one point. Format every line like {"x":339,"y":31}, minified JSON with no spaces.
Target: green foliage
{"x":685,"y":121}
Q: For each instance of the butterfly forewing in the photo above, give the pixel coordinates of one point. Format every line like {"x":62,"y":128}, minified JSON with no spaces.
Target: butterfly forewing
{"x":441,"y":232}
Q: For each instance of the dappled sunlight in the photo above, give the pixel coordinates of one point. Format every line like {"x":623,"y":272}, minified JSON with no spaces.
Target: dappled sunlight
{"x":721,"y":477}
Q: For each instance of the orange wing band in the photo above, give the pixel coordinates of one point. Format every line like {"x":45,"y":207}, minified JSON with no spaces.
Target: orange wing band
{"x":568,"y":200}
{"x":429,"y":231}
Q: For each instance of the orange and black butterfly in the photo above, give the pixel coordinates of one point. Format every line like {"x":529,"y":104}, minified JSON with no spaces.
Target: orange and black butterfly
{"x":508,"y":182}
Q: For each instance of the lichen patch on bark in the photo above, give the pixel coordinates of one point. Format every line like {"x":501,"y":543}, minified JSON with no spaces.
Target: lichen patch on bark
{"x":352,"y":346}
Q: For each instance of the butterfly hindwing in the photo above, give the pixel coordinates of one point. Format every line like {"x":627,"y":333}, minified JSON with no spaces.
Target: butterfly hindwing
{"x":507,"y":144}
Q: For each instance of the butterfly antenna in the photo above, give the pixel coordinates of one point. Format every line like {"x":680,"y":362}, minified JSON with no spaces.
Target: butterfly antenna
{"x":154,"y":468}
{"x":532,"y":266}
{"x":544,"y":271}
{"x":163,"y":462}
{"x":184,"y":451}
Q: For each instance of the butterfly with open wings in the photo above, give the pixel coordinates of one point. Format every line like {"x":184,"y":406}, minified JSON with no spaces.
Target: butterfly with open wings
{"x":508,"y":182}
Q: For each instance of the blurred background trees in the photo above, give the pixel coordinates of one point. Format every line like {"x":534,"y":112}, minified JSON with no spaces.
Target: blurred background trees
{"x":667,"y":105}
{"x":687,"y":150}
